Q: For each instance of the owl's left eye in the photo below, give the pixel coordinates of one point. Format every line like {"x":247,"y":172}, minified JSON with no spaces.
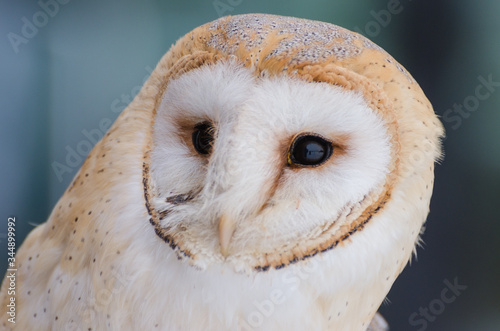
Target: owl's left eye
{"x":309,"y":150}
{"x":203,"y":138}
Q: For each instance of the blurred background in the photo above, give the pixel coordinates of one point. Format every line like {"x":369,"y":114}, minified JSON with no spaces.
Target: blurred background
{"x":67,"y":69}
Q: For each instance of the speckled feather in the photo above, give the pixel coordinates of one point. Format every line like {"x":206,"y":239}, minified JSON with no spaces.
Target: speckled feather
{"x":98,"y":263}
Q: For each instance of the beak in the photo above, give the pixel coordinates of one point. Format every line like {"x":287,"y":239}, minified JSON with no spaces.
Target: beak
{"x":226,"y":230}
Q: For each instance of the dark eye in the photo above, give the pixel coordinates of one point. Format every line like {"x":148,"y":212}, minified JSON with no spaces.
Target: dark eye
{"x":203,"y":138}
{"x":309,"y":150}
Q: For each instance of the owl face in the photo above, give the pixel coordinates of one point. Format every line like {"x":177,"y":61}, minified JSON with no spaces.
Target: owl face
{"x":258,"y":171}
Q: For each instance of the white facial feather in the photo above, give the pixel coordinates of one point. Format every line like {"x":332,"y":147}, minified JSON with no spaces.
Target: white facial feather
{"x":255,"y":120}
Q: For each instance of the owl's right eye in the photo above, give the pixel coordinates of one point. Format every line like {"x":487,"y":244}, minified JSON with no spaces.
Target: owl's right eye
{"x":203,"y":138}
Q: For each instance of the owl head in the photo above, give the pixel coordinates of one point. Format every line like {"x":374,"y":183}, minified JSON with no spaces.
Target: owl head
{"x":274,"y":139}
{"x":270,"y":167}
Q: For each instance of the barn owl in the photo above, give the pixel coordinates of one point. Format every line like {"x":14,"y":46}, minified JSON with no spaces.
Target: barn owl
{"x":273,"y":173}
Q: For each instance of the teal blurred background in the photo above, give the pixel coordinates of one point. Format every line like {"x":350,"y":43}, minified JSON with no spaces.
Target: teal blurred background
{"x":84,"y":63}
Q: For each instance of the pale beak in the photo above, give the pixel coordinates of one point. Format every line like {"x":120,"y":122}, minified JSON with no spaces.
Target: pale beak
{"x":226,"y":230}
